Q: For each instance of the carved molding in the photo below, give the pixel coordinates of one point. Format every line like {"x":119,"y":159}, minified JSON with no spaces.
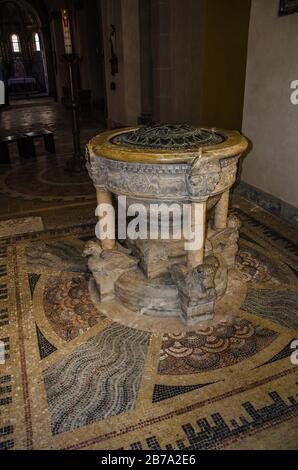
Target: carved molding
{"x":203,"y":179}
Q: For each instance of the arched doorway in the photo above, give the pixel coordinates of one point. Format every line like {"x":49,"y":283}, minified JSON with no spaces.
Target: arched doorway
{"x":22,"y":49}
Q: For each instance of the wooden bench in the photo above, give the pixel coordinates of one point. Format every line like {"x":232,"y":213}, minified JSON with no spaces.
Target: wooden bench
{"x":47,"y":136}
{"x":24,"y":147}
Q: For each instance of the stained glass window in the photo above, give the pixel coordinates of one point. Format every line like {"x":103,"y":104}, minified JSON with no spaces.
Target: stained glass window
{"x":36,"y":42}
{"x":15,"y":43}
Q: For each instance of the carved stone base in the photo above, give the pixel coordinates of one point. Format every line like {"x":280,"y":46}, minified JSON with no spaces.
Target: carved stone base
{"x":156,"y":297}
{"x":157,"y":257}
{"x":155,"y":280}
{"x":196,"y":290}
{"x":107,"y":266}
{"x":225,"y":241}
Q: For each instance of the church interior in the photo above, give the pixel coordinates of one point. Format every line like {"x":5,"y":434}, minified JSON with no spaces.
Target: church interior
{"x":134,"y":344}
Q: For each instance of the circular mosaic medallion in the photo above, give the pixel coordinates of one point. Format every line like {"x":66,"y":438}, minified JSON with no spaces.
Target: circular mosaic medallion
{"x":46,"y":180}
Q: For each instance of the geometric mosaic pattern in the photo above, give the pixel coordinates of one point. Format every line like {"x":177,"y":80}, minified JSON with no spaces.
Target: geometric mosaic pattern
{"x":164,"y":392}
{"x":6,"y":441}
{"x":33,"y":280}
{"x":45,"y":347}
{"x":68,"y":307}
{"x":280,"y":306}
{"x":210,"y":348}
{"x":286,"y":352}
{"x":89,"y":382}
{"x":213,"y":432}
{"x":98,"y":380}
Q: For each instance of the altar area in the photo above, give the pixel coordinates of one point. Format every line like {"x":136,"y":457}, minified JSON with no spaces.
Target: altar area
{"x":22,"y":85}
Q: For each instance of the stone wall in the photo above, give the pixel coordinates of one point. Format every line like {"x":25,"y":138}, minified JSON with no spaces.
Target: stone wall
{"x":270,"y":120}
{"x":123,"y":89}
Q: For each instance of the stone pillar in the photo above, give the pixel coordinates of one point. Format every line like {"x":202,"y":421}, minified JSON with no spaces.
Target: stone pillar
{"x":105,"y":197}
{"x":198,"y":226}
{"x":146,"y":62}
{"x":221,"y":211}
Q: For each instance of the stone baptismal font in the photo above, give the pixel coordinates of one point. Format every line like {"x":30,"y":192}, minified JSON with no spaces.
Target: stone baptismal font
{"x":166,"y":165}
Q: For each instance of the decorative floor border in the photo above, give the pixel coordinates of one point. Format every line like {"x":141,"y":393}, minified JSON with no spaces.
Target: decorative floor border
{"x":268,"y":202}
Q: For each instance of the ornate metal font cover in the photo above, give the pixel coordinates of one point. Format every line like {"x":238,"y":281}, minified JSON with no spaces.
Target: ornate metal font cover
{"x":168,"y":136}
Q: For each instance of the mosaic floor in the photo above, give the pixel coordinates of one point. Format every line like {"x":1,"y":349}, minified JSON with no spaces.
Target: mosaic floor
{"x":75,"y":378}
{"x":29,"y":186}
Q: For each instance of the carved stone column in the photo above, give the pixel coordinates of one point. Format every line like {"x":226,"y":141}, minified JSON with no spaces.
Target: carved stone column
{"x":221,"y":211}
{"x":198,"y":227}
{"x":104,"y":197}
